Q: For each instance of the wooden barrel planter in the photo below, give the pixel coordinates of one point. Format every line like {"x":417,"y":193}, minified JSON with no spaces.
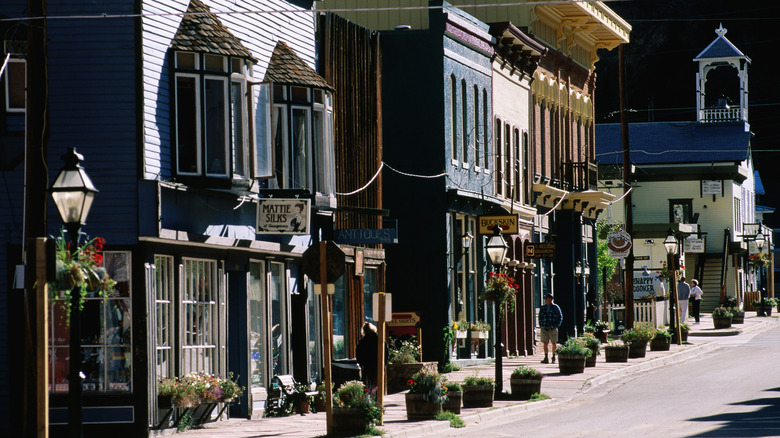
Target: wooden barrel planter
{"x":590,"y":361}
{"x":738,"y":319}
{"x":454,"y":400}
{"x":417,"y":408}
{"x":523,"y":389}
{"x":637,"y":350}
{"x":571,"y":364}
{"x":660,"y":343}
{"x":477,"y":396}
{"x":616,"y":353}
{"x":721,"y":322}
{"x":348,"y":422}
{"x":683,"y":335}
{"x":601,"y":335}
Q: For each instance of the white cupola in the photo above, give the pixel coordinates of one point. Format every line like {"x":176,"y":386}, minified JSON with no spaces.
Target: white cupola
{"x":722,"y":82}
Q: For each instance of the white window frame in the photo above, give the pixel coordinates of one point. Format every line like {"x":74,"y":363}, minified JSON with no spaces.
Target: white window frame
{"x":226,"y":143}
{"x":198,"y":135}
{"x":200,"y":309}
{"x":165,"y":308}
{"x":292,"y":165}
{"x":324,"y":178}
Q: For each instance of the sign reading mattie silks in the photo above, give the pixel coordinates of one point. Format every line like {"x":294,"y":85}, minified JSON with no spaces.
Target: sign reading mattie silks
{"x":283,"y":216}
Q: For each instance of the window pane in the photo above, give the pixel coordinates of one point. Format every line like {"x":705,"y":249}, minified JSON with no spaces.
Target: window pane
{"x":314,"y":334}
{"x":369,"y":288}
{"x":263,"y":128}
{"x":119,"y":360}
{"x":280,"y":148}
{"x":257,"y":330}
{"x":164,"y":315}
{"x":215,"y":63}
{"x":216,"y":133}
{"x":300,"y":148}
{"x":339,"y":319}
{"x":300,"y":94}
{"x":187,"y":125}
{"x":322,"y":140}
{"x":237,"y":127}
{"x":186,"y":60}
{"x":278,"y":319}
{"x":93,"y":367}
{"x":199,"y":315}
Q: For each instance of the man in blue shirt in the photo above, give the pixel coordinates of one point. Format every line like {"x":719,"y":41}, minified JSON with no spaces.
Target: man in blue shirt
{"x":550,"y":318}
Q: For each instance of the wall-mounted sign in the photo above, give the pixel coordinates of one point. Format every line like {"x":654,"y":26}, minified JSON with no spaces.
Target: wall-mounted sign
{"x":619,"y":243}
{"x":711,"y":187}
{"x":366,"y":235}
{"x":694,"y":245}
{"x":507,"y":223}
{"x":283,"y":216}
{"x":545,"y":250}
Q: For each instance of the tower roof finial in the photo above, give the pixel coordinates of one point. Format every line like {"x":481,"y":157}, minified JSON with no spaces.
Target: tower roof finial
{"x":721,"y":31}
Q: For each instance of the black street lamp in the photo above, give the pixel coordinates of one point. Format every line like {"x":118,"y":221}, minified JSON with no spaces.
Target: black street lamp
{"x":73,"y":193}
{"x":496,"y":249}
{"x":672,"y":244}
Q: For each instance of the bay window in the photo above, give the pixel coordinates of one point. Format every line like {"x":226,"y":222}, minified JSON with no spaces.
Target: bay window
{"x":303,"y":140}
{"x":212,"y":104}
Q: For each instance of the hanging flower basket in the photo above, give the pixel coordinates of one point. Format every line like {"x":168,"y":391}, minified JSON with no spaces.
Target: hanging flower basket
{"x":501,"y":289}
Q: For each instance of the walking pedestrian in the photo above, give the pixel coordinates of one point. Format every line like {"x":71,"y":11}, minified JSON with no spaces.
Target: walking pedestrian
{"x":683,"y":293}
{"x":550,"y":318}
{"x":366,"y":355}
{"x":696,"y":294}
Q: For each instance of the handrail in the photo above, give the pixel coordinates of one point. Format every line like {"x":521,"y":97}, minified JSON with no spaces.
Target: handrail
{"x":724,"y":266}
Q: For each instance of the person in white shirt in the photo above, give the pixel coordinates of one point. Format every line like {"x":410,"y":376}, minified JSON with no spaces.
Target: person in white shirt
{"x":696,"y":294}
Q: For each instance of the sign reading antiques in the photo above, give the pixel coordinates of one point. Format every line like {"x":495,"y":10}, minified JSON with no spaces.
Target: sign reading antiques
{"x":507,"y":223}
{"x":283,"y":216}
{"x":366,"y":235}
{"x":542,"y":250}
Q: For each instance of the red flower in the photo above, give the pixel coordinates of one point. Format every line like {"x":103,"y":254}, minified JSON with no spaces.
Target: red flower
{"x":409,"y":382}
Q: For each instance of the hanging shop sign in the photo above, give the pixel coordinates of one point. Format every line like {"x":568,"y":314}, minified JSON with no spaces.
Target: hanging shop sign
{"x":283,"y":216}
{"x":507,"y":223}
{"x":619,"y":243}
{"x":542,"y":250}
{"x":694,"y":245}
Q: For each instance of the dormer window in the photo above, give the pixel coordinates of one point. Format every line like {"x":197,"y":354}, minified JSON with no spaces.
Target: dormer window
{"x":303,"y":140}
{"x":212,"y":104}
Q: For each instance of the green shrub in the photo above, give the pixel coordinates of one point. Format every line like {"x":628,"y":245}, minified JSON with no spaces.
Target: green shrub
{"x":574,"y":347}
{"x":523,"y":372}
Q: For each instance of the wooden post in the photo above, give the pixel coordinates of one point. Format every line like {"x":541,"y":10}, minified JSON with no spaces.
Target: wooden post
{"x":380,"y":354}
{"x":41,"y":340}
{"x":327,"y":337}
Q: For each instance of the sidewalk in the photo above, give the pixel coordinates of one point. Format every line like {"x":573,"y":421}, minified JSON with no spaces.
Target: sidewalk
{"x":560,"y":388}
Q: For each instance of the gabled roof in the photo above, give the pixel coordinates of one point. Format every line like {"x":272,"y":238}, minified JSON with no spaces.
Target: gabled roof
{"x":759,"y":186}
{"x":286,"y":68}
{"x":674,"y":142}
{"x":202,"y":31}
{"x":721,"y":47}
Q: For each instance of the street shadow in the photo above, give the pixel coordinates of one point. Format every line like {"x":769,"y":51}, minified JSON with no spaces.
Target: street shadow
{"x":763,"y":422}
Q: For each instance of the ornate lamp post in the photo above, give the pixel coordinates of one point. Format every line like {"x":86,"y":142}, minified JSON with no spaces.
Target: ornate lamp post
{"x":759,"y":240}
{"x":672,"y":244}
{"x":496,"y":249}
{"x":73,"y":193}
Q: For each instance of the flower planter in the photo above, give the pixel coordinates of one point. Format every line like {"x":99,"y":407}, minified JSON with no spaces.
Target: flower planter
{"x":590,"y":361}
{"x":721,"y":322}
{"x":477,"y":396}
{"x":738,"y":319}
{"x":348,"y":422}
{"x":399,"y":374}
{"x":661,"y":343}
{"x":454,"y":400}
{"x":683,"y":334}
{"x":601,"y":336}
{"x":523,"y":389}
{"x":616,"y":353}
{"x":637,"y":349}
{"x":202,"y":413}
{"x":165,"y":410}
{"x":571,"y":364}
{"x":417,"y":408}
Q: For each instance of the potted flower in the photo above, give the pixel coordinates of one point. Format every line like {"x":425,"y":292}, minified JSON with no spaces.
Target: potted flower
{"x":454,"y":397}
{"x":525,"y":382}
{"x":403,"y":362}
{"x":594,"y":345}
{"x":637,"y":339}
{"x":354,"y":409}
{"x":684,"y":329}
{"x":572,"y":356}
{"x":616,"y":352}
{"x":768,"y":304}
{"x":426,"y":395}
{"x":737,"y":315}
{"x":501,"y":289}
{"x":477,"y":392}
{"x":602,"y":329}
{"x":661,"y":341}
{"x":721,"y":318}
